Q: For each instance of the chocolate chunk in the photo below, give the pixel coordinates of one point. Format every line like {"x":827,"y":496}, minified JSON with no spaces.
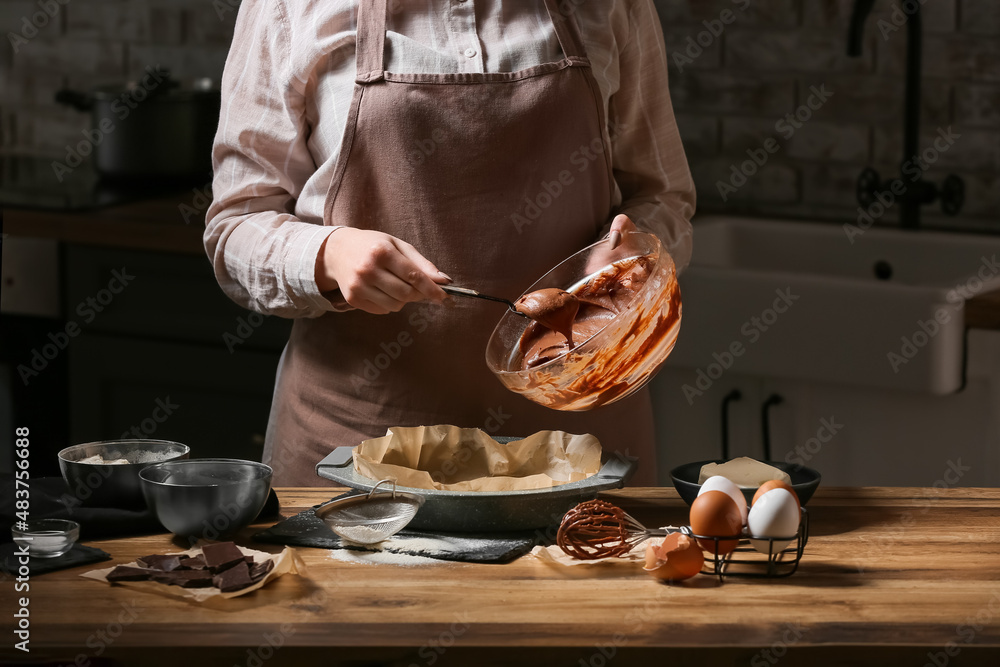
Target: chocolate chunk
{"x":248,"y":559}
{"x":129,"y":573}
{"x":160,"y":562}
{"x":196,"y":563}
{"x":221,"y":556}
{"x":184,"y":578}
{"x":260,"y":570}
{"x":233,"y":579}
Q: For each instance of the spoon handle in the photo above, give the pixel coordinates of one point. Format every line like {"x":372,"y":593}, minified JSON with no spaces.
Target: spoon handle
{"x":464,"y":291}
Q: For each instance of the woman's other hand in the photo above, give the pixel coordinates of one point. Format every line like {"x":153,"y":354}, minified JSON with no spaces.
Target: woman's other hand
{"x":376,"y":272}
{"x":620,"y":226}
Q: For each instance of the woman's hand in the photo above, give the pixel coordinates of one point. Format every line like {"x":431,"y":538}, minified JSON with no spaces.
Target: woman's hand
{"x":620,"y":226}
{"x":376,"y":272}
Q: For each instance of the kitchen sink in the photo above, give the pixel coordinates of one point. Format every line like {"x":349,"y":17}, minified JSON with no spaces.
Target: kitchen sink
{"x":831,"y":303}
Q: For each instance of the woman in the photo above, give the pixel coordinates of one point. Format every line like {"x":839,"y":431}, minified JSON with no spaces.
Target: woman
{"x":368,"y":154}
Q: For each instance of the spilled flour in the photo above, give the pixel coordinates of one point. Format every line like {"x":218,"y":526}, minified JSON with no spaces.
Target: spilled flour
{"x":381,"y":558}
{"x":389,"y":552}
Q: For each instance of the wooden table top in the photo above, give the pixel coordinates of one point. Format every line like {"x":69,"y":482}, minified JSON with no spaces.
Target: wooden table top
{"x":884,"y":568}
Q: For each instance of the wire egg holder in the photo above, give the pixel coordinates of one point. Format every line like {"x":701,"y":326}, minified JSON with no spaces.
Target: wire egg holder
{"x":779,"y":563}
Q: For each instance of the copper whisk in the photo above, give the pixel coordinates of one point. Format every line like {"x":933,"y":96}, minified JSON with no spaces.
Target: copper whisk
{"x":597,"y":529}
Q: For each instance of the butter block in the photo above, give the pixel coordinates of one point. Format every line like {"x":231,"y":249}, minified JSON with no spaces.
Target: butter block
{"x":745,"y":472}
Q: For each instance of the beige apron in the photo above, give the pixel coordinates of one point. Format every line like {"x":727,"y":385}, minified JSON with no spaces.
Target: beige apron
{"x":494,"y":177}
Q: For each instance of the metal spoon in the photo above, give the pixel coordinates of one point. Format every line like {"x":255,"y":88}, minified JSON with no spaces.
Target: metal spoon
{"x":464,"y":291}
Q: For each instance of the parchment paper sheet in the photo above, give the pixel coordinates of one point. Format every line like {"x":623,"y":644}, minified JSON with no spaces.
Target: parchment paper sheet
{"x":553,"y":555}
{"x":284,"y":562}
{"x":449,"y":458}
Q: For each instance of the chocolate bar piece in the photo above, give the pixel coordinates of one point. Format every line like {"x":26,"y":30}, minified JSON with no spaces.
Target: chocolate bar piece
{"x":195,"y":563}
{"x":221,"y":556}
{"x":160,"y":562}
{"x":259,"y":570}
{"x":129,"y":573}
{"x":184,"y":578}
{"x":233,"y":578}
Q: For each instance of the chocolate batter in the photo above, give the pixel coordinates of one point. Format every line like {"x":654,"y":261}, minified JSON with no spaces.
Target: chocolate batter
{"x":552,"y":308}
{"x":599,"y":301}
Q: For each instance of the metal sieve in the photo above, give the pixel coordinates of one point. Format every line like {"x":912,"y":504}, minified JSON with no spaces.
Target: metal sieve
{"x":370,"y":518}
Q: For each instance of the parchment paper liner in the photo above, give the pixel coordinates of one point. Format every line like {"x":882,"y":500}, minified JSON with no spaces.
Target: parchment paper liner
{"x":449,"y":458}
{"x":553,"y":555}
{"x":285,"y":562}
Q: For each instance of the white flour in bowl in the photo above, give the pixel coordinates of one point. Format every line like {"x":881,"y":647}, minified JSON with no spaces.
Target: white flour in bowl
{"x":136,"y":456}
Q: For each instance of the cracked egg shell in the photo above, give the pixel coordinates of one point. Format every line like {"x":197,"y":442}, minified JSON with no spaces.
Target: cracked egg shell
{"x":677,"y":558}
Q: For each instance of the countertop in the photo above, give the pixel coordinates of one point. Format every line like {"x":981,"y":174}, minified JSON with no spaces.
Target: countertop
{"x":889,"y":576}
{"x":168,"y":223}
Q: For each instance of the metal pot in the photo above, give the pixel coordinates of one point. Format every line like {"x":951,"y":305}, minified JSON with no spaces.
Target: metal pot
{"x":152,"y":127}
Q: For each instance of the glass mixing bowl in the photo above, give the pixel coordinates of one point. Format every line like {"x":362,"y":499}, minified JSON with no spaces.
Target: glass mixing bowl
{"x":617,"y":360}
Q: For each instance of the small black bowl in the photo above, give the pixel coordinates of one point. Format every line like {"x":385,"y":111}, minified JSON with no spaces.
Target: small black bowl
{"x":805,"y":481}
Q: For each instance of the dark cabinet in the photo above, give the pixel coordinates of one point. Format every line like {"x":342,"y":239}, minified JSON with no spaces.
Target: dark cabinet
{"x":163,"y":353}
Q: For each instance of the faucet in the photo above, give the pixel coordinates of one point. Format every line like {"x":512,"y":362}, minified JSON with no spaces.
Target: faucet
{"x":917,"y":191}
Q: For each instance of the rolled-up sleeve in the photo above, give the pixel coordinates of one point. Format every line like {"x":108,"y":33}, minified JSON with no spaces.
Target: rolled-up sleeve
{"x":649,"y":164}
{"x":264,"y":256}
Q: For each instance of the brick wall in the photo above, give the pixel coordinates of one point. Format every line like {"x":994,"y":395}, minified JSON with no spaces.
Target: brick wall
{"x":730,"y":91}
{"x":83,"y":43}
{"x":768,"y":58}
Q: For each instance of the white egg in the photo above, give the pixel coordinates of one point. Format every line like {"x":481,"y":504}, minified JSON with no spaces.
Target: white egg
{"x":775,"y":514}
{"x":720,"y":483}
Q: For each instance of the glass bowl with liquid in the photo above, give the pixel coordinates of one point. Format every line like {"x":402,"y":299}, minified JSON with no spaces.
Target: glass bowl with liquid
{"x":46,"y":538}
{"x":623,"y":354}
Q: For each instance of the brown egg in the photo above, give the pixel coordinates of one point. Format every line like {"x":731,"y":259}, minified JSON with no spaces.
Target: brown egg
{"x":715,"y":514}
{"x":776,"y":484}
{"x":677,"y":557}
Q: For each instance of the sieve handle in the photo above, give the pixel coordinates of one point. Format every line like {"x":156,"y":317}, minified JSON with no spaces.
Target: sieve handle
{"x":380,"y":483}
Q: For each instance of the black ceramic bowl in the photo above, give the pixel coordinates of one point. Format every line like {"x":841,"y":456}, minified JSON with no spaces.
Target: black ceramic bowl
{"x":805,"y":481}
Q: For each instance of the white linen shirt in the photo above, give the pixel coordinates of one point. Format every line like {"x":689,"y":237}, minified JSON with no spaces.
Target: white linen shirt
{"x":287,"y":89}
